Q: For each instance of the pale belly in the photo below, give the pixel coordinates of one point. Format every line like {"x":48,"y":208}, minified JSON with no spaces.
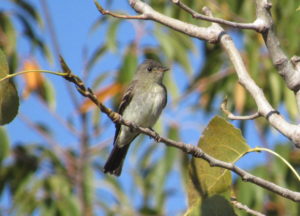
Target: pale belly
{"x":143,"y":110}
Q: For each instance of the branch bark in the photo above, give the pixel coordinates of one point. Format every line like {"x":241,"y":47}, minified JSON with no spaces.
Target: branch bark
{"x":284,"y":65}
{"x":257,"y":25}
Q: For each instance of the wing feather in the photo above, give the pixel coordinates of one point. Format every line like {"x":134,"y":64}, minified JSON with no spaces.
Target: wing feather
{"x":124,"y":103}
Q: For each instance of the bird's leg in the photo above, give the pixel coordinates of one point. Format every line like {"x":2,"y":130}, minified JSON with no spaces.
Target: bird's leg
{"x":156,"y":136}
{"x":133,"y":127}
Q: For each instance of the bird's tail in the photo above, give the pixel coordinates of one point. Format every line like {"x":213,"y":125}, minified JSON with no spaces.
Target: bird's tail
{"x":115,"y":160}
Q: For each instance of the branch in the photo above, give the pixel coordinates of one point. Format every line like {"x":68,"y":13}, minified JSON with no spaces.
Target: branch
{"x":286,"y":67}
{"x":257,"y":25}
{"x":246,"y":208}
{"x":120,"y":16}
{"x":264,"y":107}
{"x":231,"y":116}
{"x":147,"y":13}
{"x":187,"y":148}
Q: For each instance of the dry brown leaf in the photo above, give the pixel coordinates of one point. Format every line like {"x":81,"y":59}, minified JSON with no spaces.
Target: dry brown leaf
{"x":102,"y":95}
{"x":239,"y":98}
{"x":33,"y":80}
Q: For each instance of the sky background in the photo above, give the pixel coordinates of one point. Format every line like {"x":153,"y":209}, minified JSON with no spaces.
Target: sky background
{"x":72,"y":21}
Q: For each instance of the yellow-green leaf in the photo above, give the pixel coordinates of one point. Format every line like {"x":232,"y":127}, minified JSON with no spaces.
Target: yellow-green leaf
{"x":4,"y":144}
{"x":129,"y":65}
{"x":223,"y":141}
{"x":9,"y":99}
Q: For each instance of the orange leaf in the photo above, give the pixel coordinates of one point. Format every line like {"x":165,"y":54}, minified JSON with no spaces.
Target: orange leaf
{"x":34,"y":80}
{"x":102,"y":95}
{"x":239,"y":98}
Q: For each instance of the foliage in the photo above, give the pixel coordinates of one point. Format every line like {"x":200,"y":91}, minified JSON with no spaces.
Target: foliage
{"x":9,"y":100}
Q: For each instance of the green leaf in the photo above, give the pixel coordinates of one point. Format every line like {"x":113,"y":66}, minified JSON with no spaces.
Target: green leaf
{"x":49,"y":94}
{"x":224,"y":142}
{"x":9,"y":99}
{"x":290,"y":103}
{"x":31,"y":11}
{"x":99,"y":79}
{"x":181,"y":54}
{"x":98,"y":53}
{"x":276,"y":88}
{"x":8,"y":39}
{"x":165,"y":44}
{"x":34,"y":39}
{"x":111,"y":35}
{"x":129,"y":65}
{"x":4,"y":144}
{"x":217,"y":205}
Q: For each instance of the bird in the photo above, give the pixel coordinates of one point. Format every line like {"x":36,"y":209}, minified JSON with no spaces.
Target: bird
{"x":141,"y":104}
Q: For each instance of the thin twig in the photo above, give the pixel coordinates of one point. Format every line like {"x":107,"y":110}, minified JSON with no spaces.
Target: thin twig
{"x":147,"y":13}
{"x":120,"y":16}
{"x":246,"y":208}
{"x":55,"y":145}
{"x":256,"y":25}
{"x":231,"y":116}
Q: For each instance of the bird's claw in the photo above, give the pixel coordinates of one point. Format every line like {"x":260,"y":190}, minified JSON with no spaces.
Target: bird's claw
{"x":134,"y":127}
{"x":156,"y":136}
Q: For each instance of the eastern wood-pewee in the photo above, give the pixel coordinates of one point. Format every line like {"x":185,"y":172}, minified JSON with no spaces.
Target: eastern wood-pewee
{"x":141,"y":104}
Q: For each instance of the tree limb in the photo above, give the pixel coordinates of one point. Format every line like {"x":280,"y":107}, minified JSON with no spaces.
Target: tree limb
{"x":231,"y":116}
{"x":289,"y":71}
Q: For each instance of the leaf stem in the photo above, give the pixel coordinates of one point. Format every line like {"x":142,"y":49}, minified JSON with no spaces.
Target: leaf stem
{"x":258,"y":149}
{"x":30,"y":71}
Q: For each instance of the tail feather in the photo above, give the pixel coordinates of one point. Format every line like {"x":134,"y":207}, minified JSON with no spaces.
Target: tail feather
{"x":115,"y":160}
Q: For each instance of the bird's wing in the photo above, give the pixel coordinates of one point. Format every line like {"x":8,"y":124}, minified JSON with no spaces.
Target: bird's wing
{"x":166,"y":96}
{"x":124,"y":103}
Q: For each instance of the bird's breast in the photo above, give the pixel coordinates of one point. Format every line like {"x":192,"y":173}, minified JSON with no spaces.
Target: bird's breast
{"x":146,"y":106}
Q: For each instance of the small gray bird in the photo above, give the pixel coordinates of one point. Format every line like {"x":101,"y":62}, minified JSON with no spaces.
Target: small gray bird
{"x":141,"y":104}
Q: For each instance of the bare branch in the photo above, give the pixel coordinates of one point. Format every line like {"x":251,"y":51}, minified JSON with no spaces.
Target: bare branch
{"x":264,"y":108}
{"x":246,"y":208}
{"x":257,"y":25}
{"x":120,"y":16}
{"x":285,"y":67}
{"x":146,"y":12}
{"x":231,"y":116}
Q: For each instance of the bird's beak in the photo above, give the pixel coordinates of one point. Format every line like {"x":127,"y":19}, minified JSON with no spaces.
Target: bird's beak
{"x":164,"y":69}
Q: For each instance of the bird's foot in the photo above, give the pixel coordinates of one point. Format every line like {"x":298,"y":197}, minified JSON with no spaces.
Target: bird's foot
{"x":156,"y":137}
{"x":134,"y":127}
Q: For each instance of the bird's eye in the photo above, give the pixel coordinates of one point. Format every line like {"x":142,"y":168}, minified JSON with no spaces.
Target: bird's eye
{"x":149,"y":69}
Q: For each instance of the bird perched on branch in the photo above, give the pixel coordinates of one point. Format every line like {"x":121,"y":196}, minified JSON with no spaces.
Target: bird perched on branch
{"x":142,"y":105}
